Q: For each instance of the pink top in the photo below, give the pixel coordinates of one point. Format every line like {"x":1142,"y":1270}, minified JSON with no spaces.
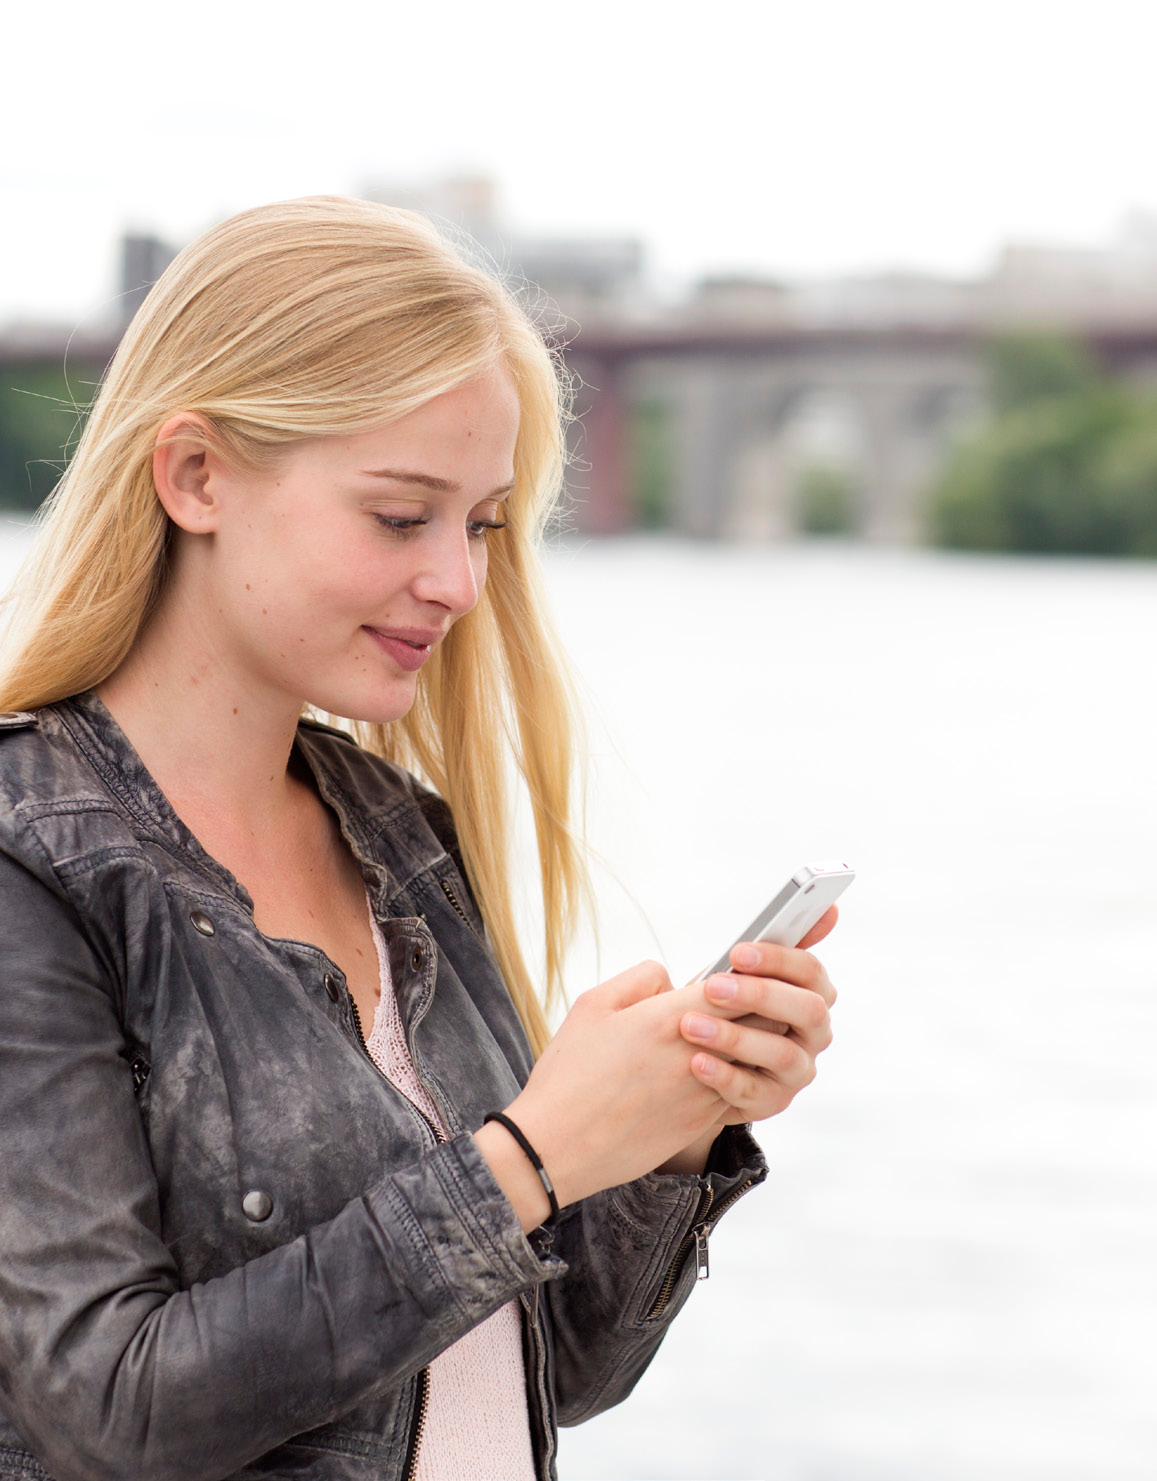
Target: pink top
{"x":477,"y":1424}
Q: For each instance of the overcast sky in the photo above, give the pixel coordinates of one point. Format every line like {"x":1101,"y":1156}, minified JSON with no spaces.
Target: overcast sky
{"x":791,"y":139}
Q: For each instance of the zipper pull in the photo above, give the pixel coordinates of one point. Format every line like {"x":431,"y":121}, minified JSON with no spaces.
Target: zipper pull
{"x":702,"y":1263}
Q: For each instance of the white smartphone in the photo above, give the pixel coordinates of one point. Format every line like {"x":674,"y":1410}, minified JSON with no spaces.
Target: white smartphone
{"x":792,"y":913}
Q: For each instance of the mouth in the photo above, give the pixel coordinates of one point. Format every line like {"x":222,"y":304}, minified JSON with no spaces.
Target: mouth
{"x":408,"y":647}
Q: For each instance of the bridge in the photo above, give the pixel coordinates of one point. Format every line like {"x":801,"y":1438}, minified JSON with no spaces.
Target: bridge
{"x":745,"y":411}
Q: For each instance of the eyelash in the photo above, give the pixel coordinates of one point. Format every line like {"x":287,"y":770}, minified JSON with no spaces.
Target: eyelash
{"x":478,"y":529}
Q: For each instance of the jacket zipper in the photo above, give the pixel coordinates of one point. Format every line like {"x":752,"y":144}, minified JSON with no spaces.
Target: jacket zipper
{"x":358,"y":1025}
{"x":449,"y":893}
{"x":418,"y":1422}
{"x":417,"y":1425}
{"x":697,"y":1237}
{"x":538,"y":1353}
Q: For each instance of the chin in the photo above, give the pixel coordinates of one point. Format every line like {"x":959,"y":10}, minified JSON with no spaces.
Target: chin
{"x":369,"y":709}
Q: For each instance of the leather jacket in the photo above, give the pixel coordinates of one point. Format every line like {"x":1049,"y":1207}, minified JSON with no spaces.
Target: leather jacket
{"x":228,"y":1246}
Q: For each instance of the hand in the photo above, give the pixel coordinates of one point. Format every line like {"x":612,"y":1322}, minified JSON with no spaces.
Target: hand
{"x":761,"y":1026}
{"x":612,"y":1096}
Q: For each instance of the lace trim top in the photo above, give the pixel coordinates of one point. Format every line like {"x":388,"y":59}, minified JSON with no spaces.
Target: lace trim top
{"x":477,"y":1423}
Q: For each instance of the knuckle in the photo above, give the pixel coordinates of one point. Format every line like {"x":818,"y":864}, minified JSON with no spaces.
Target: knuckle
{"x":585,"y":1001}
{"x":812,"y":972}
{"x":742,"y":1088}
{"x":796,"y":1062}
{"x":726,"y":1035}
{"x":655,"y":973}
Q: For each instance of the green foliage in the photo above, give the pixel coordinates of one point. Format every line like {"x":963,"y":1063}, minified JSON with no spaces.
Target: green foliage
{"x":1067,"y":465}
{"x":1127,"y":482}
{"x":826,"y":500}
{"x":39,"y":424}
{"x":1027,"y":368}
{"x":650,"y":452}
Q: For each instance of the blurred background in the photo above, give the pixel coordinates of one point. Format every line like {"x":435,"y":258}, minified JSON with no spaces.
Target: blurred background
{"x":857,"y":561}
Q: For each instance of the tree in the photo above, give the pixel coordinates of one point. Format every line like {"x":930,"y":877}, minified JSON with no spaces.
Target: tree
{"x":1068,"y":463}
{"x":40,"y":422}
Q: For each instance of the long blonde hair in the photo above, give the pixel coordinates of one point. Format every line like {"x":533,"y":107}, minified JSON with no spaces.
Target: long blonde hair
{"x":312,"y":318}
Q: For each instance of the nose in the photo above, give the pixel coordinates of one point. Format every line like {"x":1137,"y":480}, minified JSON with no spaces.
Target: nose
{"x":453,"y":574}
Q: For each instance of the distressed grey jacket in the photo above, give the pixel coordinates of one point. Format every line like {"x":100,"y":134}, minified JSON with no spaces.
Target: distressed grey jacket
{"x":228,"y":1246}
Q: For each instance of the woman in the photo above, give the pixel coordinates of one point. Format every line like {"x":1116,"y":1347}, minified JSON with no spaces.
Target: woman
{"x":261,"y":987}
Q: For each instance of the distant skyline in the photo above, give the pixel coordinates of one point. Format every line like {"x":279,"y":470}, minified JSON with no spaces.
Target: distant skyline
{"x":741,"y":138}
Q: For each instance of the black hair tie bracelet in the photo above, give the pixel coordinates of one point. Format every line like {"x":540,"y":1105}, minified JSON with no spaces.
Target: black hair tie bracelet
{"x":532,"y":1155}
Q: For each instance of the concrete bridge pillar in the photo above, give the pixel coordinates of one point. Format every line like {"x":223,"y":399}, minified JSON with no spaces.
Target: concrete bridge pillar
{"x":704,"y":428}
{"x":760,"y":502}
{"x":895,"y":468}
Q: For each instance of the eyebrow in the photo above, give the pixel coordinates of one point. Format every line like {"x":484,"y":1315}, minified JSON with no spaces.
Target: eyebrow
{"x":429,"y":481}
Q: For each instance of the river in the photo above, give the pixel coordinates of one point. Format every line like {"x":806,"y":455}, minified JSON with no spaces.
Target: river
{"x":950,"y":1275}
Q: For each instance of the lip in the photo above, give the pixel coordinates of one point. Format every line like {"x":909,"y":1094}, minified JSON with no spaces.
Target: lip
{"x":409,"y":647}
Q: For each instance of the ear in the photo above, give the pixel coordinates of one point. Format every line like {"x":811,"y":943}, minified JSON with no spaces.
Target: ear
{"x":187,"y":473}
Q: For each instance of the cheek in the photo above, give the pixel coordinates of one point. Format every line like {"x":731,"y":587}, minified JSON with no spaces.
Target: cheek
{"x":351,"y":583}
{"x":480,"y":561}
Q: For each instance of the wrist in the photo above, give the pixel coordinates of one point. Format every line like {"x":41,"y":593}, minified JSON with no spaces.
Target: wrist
{"x":693,"y":1158}
{"x":515,"y":1174}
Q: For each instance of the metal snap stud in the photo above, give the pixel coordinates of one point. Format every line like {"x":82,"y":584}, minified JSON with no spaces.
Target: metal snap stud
{"x":333,"y":992}
{"x":416,"y":958}
{"x":257,"y":1206}
{"x":202,"y":923}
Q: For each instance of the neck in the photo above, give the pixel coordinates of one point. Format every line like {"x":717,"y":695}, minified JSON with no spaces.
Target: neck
{"x":214,"y":741}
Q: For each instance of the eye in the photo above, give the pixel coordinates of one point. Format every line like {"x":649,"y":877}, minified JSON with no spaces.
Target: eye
{"x":398,"y":524}
{"x":479,"y":529}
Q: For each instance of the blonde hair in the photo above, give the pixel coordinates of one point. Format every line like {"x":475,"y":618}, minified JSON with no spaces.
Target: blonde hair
{"x":312,"y":318}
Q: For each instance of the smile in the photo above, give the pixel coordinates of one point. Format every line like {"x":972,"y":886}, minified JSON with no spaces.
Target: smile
{"x":408,"y":648}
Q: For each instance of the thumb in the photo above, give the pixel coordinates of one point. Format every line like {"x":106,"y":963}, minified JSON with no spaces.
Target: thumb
{"x":822,"y":927}
{"x":632,"y":986}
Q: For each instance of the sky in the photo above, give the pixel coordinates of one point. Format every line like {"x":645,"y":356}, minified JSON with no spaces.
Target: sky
{"x":796,"y":141}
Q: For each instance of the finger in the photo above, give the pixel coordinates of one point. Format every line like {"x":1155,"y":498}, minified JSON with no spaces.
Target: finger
{"x":635,"y":985}
{"x":784,"y":1056}
{"x":753,"y":1096}
{"x":785,"y":1006}
{"x":823,"y":927}
{"x":787,"y":963}
{"x":768,"y":1025}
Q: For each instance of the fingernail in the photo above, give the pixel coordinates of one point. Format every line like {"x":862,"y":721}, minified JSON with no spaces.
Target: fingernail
{"x":705,"y":1065}
{"x":721,"y":989}
{"x":745,"y":956}
{"x":702,"y":1027}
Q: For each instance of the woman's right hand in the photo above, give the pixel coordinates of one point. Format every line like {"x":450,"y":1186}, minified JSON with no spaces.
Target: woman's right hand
{"x":611,"y":1098}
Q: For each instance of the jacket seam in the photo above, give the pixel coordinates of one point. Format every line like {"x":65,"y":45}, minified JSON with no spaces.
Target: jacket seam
{"x":483,"y":1237}
{"x":422,"y":1249}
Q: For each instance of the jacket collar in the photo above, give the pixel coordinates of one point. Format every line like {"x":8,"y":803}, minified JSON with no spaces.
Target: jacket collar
{"x":372,"y":820}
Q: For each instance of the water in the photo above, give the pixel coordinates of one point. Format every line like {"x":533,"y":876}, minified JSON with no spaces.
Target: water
{"x":951,"y":1271}
{"x":950,"y":1274}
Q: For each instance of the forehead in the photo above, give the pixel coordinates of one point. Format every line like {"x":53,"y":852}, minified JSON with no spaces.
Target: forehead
{"x":473,"y":426}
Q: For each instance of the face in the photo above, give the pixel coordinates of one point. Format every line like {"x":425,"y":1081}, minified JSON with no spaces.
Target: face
{"x":337,"y":575}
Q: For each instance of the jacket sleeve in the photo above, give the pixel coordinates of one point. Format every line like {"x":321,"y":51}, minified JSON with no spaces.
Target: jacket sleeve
{"x":110,"y":1370}
{"x":631,"y":1253}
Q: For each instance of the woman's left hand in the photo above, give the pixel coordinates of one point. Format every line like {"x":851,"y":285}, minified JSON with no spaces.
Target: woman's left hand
{"x":761,"y":1026}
